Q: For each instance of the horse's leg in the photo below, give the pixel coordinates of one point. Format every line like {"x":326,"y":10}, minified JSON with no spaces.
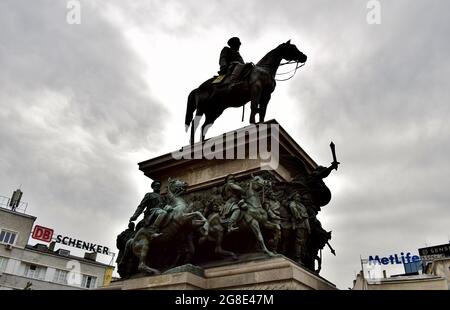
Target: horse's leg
{"x":190,"y":248}
{"x":144,"y":247}
{"x":255,"y":94}
{"x":194,"y":125}
{"x":218,"y":247}
{"x":319,"y":264}
{"x":263,"y":106}
{"x":275,"y":234}
{"x":209,"y":120}
{"x":202,"y":217}
{"x":192,"y":139}
{"x":254,"y":226}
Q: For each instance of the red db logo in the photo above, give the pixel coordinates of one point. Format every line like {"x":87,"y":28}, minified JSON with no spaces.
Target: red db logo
{"x":42,"y":233}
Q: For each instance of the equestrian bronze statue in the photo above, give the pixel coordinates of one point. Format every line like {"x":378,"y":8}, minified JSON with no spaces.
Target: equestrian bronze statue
{"x":257,"y":82}
{"x":151,"y":248}
{"x":255,"y":214}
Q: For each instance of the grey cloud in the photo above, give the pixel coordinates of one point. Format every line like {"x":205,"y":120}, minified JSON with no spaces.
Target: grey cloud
{"x":386,"y":108}
{"x":380,"y":92}
{"x":73,"y":105}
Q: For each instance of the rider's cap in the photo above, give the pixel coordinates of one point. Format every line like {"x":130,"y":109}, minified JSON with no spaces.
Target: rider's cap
{"x":156,"y":182}
{"x":234,"y":41}
{"x":229,"y":177}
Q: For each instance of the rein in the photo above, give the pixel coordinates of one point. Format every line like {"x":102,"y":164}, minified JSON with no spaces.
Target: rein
{"x":293,"y":70}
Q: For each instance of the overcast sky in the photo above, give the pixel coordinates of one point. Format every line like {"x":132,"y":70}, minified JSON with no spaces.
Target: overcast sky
{"x":81,"y":105}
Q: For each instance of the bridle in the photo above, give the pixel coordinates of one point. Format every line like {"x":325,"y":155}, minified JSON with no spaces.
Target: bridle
{"x":297,"y":66}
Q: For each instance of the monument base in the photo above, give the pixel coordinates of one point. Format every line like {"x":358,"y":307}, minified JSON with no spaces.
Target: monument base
{"x":277,"y":273}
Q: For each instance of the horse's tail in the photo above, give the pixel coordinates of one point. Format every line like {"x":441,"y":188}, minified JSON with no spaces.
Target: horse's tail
{"x":190,"y":108}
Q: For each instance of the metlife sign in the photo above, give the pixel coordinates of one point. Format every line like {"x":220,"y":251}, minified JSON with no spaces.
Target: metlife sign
{"x":394,"y":259}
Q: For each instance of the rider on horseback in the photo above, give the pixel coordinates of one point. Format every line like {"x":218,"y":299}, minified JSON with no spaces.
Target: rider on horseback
{"x":231,"y":61}
{"x":153,"y":204}
{"x":233,"y":194}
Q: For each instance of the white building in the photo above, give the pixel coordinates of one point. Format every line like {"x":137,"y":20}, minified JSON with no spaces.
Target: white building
{"x":405,"y":282}
{"x":39,"y":267}
{"x":434,"y":273}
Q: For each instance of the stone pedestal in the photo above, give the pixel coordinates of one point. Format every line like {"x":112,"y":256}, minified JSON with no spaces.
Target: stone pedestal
{"x":248,"y":144}
{"x":265,"y":149}
{"x":256,"y":274}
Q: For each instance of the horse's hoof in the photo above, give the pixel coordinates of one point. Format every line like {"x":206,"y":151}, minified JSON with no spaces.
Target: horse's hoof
{"x":271,"y":254}
{"x":146,"y":269}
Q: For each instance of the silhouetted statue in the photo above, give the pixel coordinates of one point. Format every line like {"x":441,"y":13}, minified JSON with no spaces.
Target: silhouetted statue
{"x":230,"y":56}
{"x":211,"y":99}
{"x":315,"y":187}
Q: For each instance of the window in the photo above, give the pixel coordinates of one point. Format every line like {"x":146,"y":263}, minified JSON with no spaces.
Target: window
{"x":3,"y":263}
{"x":35,"y":272}
{"x":7,"y":237}
{"x":60,"y":276}
{"x":88,"y":281}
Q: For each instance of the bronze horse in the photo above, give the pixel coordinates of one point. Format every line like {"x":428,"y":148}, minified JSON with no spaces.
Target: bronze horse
{"x":211,"y":100}
{"x":180,"y":221}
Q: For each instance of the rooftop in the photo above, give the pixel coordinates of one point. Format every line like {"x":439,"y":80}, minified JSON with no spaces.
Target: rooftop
{"x":404,"y":278}
{"x":42,"y":248}
{"x":5,"y":204}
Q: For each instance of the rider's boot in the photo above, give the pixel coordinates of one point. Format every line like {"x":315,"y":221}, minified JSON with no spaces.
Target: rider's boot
{"x":235,"y":77}
{"x":233,"y":219}
{"x":158,"y":222}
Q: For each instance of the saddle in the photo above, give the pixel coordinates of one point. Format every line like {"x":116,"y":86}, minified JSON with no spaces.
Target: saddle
{"x":238,"y":73}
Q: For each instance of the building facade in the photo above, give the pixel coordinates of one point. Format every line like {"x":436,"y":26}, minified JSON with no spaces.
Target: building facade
{"x":405,"y":282}
{"x":41,"y":267}
{"x":431,"y":273}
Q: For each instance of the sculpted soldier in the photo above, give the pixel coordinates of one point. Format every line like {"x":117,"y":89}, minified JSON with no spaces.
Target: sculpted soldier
{"x":319,"y":238}
{"x":319,"y":193}
{"x":233,"y":195}
{"x":152,"y":205}
{"x":213,"y":203}
{"x":272,"y":206}
{"x":314,"y":195}
{"x":300,"y":225}
{"x":122,"y":239}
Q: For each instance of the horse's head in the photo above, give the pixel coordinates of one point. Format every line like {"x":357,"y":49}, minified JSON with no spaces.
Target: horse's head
{"x":258,"y":182}
{"x":290,"y":52}
{"x":176,"y":187}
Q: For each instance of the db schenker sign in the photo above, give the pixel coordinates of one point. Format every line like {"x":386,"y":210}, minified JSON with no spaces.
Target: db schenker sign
{"x":46,"y":234}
